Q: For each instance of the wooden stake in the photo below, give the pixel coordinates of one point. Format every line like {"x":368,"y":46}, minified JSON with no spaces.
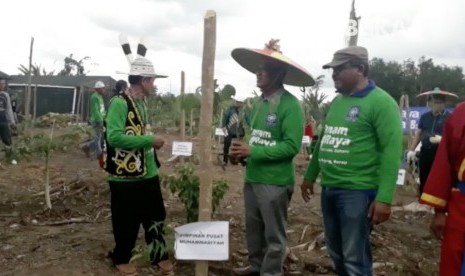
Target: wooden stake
{"x":183,"y":113}
{"x":27,"y":106}
{"x":34,"y":114}
{"x":191,"y":124}
{"x":206,"y":114}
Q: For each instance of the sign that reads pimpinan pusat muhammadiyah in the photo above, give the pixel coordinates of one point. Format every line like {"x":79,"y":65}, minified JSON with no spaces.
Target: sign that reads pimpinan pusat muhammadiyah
{"x":206,"y":241}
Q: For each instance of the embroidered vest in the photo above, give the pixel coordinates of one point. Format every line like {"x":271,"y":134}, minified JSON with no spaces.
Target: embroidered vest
{"x":125,"y":163}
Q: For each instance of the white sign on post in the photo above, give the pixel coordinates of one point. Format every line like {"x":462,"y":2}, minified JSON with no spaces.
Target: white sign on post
{"x":219,"y":131}
{"x":205,"y":241}
{"x":182,"y":148}
{"x":401,"y":177}
{"x":306,"y":140}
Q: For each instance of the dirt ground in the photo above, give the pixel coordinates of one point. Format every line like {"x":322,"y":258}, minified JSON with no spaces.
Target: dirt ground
{"x":75,"y":236}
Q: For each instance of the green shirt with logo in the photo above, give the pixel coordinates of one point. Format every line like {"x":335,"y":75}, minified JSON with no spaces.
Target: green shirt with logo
{"x":116,"y":124}
{"x":277,"y":127}
{"x":361,"y":144}
{"x":97,"y":108}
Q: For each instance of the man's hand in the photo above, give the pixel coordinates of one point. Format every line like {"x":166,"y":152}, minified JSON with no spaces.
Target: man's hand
{"x":411,"y":155}
{"x":436,"y":139}
{"x":240,"y":149}
{"x":225,"y":131}
{"x":379,"y":212}
{"x":158,"y":143}
{"x":307,"y":189}
{"x":438,"y":224}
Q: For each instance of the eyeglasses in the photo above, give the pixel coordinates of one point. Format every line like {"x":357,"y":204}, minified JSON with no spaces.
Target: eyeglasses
{"x":340,"y":68}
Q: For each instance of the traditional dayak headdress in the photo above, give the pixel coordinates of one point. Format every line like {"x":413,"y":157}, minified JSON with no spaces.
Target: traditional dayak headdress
{"x":252,"y":59}
{"x":139,"y":66}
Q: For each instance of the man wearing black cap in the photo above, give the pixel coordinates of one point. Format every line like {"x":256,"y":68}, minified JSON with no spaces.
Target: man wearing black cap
{"x":358,"y":157}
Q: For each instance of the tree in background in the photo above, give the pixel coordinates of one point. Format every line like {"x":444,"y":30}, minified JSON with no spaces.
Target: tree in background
{"x":413,"y":78}
{"x":314,"y":100}
{"x":36,"y":70}
{"x":74,"y":67}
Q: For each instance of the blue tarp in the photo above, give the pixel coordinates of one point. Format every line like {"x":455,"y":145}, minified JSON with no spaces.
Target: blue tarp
{"x":415,"y":114}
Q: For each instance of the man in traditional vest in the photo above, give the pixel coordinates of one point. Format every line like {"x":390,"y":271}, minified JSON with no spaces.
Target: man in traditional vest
{"x":129,"y":160}
{"x":7,"y":120}
{"x":445,"y":191}
{"x":277,"y":123}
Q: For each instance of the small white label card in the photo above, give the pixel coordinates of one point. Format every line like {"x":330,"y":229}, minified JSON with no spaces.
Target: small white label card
{"x":182,"y":148}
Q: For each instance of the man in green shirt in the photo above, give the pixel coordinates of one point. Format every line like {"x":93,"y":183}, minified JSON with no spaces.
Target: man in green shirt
{"x":276,"y":122}
{"x":97,"y":113}
{"x":358,"y":156}
{"x":129,"y":160}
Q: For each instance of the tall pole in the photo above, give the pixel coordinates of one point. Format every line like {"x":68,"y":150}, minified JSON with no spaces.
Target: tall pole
{"x":206,"y":118}
{"x":183,"y":112}
{"x":354,"y":26}
{"x":27,"y":106}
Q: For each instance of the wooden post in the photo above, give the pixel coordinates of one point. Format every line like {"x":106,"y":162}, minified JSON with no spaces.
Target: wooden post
{"x":355,"y":24}
{"x":34,"y":114}
{"x":78,"y":105}
{"x":27,"y":106}
{"x":191,"y":124}
{"x":182,"y":121}
{"x":206,"y":114}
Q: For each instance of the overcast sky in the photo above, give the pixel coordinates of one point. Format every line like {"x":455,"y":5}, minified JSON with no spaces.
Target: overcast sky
{"x":310,"y":32}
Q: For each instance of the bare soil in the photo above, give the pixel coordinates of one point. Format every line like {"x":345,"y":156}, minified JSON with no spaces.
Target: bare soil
{"x":75,"y":236}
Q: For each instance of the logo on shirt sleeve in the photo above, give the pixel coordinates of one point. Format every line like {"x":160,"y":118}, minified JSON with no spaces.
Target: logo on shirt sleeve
{"x":353,"y":113}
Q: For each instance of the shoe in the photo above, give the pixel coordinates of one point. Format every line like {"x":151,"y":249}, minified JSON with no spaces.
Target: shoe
{"x":245,"y":271}
{"x":14,"y":162}
{"x":166,"y":268}
{"x":127,"y":269}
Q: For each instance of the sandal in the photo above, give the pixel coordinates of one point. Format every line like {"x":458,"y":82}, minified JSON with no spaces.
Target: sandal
{"x":166,"y":267}
{"x":127,"y":269}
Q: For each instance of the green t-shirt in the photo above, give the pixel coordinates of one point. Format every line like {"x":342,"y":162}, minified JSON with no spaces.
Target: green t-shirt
{"x":116,"y":124}
{"x":361,"y":144}
{"x":97,"y":108}
{"x":277,"y":126}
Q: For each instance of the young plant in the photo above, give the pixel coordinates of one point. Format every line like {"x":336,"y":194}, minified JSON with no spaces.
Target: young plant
{"x":146,"y":254}
{"x":185,"y":184}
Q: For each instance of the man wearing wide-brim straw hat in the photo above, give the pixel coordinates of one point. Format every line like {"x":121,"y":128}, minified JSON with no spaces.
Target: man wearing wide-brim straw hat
{"x":129,"y":160}
{"x":358,"y":157}
{"x":277,"y":123}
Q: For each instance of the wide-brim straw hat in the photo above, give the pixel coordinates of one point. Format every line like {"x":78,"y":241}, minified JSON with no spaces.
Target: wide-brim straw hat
{"x":252,"y":59}
{"x":437,"y":92}
{"x":143,"y":67}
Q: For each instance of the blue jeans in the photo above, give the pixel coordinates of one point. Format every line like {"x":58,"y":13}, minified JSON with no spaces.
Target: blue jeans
{"x":347,"y":229}
{"x":94,"y":144}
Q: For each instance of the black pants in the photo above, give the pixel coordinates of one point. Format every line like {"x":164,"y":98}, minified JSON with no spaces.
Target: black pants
{"x":227,"y":144}
{"x":5,"y":134}
{"x":425,"y":163}
{"x":133,"y":204}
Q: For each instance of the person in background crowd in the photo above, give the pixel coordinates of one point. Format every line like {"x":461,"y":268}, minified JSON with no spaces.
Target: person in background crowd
{"x":7,"y":120}
{"x":97,"y":113}
{"x":429,"y":132}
